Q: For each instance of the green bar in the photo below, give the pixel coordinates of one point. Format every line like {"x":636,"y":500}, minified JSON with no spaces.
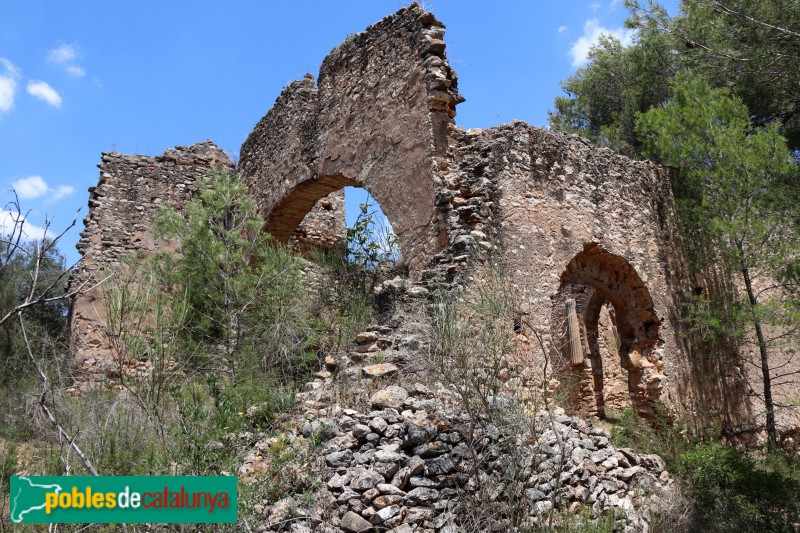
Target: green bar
{"x":123,"y":499}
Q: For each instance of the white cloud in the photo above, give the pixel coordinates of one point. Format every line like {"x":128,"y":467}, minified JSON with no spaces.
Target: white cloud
{"x":64,"y":56}
{"x":36,"y":187}
{"x":562,"y":29}
{"x":592,"y":30}
{"x":43,"y":91}
{"x":61,"y":191}
{"x":9,"y":76}
{"x":30,"y":187}
{"x":77,"y":71}
{"x":594,"y":6}
{"x":9,"y":219}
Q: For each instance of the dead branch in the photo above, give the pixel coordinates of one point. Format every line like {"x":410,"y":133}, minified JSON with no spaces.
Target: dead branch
{"x":46,"y":410}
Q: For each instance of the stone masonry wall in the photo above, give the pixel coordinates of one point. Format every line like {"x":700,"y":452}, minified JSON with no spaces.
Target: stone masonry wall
{"x":122,"y":208}
{"x":564,"y":217}
{"x":324,"y":226}
{"x":562,"y":212}
{"x":377,"y":118}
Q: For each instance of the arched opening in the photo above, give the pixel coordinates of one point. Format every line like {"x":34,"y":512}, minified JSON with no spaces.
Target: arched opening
{"x":373,"y":241}
{"x":318,"y":213}
{"x":318,"y":205}
{"x":607,"y":336}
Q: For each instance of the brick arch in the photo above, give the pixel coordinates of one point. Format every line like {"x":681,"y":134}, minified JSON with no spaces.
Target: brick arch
{"x":613,"y":277}
{"x":619,"y":334}
{"x":287,"y":215}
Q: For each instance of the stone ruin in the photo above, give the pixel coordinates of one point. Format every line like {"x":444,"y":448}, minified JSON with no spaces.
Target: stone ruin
{"x":584,"y":232}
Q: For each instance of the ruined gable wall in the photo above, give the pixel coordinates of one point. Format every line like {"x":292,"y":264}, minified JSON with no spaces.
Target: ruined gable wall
{"x":377,"y":118}
{"x":122,"y":209}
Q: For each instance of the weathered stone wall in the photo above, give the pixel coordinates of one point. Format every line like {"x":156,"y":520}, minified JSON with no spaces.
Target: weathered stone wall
{"x":323,"y":227}
{"x":377,"y":118}
{"x":569,"y":220}
{"x":122,"y":208}
{"x":572,"y":215}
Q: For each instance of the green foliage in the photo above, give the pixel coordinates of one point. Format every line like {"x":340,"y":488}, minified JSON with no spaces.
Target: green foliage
{"x":604,"y":97}
{"x":739,"y":202}
{"x":227,"y":328}
{"x":732,"y":491}
{"x":726,"y":120}
{"x":210,"y":344}
{"x":220,"y":236}
{"x":45,"y":322}
{"x":244,"y":292}
{"x":738,"y":193}
{"x":566,"y":522}
{"x":288,"y":469}
{"x":660,"y":435}
{"x":371,"y":245}
{"x":749,"y":46}
{"x":8,"y":468}
{"x":212,"y":421}
{"x":726,"y":490}
{"x":371,"y":254}
{"x":8,"y":464}
{"x":716,"y":320}
{"x":707,"y":134}
{"x":118,"y":435}
{"x":347,"y":297}
{"x":145,"y":319}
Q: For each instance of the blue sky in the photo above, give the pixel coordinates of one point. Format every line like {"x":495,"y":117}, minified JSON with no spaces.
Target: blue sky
{"x":81,"y":78}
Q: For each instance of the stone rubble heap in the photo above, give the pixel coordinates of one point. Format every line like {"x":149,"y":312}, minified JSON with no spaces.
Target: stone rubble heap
{"x":399,"y":455}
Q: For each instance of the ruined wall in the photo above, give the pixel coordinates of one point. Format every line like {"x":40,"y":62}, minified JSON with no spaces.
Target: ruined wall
{"x":122,"y":208}
{"x":323,"y":227}
{"x":569,"y":220}
{"x":377,"y":118}
{"x":119,"y":224}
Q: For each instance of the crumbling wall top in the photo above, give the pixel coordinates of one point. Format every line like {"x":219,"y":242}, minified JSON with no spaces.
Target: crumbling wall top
{"x":122,"y":208}
{"x":377,"y":119}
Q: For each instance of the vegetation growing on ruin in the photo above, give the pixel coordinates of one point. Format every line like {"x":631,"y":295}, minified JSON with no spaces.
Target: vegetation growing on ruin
{"x":213,"y":338}
{"x":711,"y":90}
{"x":722,"y":489}
{"x":210,"y":344}
{"x":209,"y":392}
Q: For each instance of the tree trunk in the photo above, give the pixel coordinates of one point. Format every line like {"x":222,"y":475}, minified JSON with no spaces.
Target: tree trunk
{"x":772,"y":432}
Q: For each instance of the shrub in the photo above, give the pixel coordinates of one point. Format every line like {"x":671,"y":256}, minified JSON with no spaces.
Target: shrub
{"x":660,"y":435}
{"x":732,"y":491}
{"x":345,"y":292}
{"x":248,"y":310}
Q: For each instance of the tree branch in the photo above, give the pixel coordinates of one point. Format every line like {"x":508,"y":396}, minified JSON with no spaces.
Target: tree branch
{"x":46,"y":410}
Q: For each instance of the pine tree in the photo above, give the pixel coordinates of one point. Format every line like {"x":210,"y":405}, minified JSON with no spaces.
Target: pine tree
{"x":742,"y":192}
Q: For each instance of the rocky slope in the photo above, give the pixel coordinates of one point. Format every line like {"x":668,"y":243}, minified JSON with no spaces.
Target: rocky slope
{"x":392,"y":448}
